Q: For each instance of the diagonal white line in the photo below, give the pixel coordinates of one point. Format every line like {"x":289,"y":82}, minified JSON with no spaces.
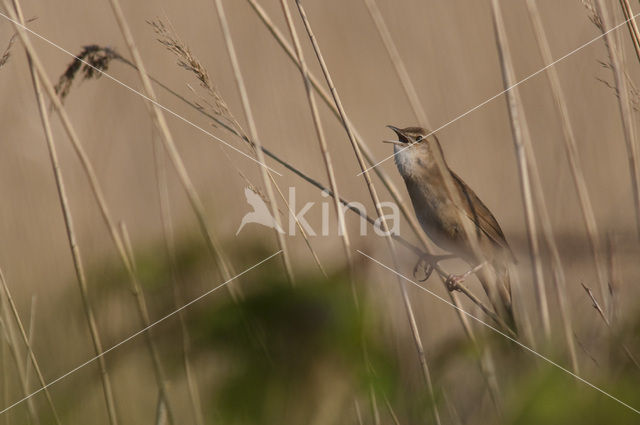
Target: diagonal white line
{"x":504,"y":91}
{"x":531,"y":350}
{"x":130,"y":337}
{"x":164,"y":108}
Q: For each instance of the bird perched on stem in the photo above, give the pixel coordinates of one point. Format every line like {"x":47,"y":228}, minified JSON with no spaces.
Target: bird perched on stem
{"x":453,"y":216}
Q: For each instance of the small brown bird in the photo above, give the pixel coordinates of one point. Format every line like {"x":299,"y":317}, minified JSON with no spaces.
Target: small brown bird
{"x":449,"y":210}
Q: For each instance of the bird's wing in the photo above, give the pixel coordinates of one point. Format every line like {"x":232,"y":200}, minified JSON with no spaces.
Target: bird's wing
{"x":478,"y":212}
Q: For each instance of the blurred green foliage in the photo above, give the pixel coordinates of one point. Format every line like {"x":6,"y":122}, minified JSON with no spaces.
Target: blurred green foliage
{"x":281,"y":341}
{"x":285,"y":354}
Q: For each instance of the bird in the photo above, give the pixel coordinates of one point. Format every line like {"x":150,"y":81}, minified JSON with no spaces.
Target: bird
{"x":450,"y":212}
{"x":260,"y":213}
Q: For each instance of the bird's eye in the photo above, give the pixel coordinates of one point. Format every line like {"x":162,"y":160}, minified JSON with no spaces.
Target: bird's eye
{"x":419,"y":139}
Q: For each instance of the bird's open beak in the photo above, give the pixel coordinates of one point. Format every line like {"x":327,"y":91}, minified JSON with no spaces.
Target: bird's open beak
{"x":398,"y":132}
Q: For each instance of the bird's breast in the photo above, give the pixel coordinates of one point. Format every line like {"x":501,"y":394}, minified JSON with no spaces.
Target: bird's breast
{"x":434,"y":209}
{"x":408,"y":163}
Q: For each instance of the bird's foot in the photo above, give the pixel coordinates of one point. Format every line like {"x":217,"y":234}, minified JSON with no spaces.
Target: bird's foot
{"x":453,"y":281}
{"x":428,"y":263}
{"x":427,"y":267}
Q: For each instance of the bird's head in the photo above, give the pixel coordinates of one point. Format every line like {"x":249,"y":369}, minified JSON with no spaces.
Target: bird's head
{"x":408,"y":136}
{"x":416,"y":150}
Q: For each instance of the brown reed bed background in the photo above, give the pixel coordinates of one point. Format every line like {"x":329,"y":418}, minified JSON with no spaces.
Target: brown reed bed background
{"x":555,"y":158}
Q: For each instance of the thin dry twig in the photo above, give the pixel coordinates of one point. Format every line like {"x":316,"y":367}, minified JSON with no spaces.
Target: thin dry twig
{"x":6,"y":54}
{"x":604,"y":318}
{"x":7,"y":51}
{"x":634,"y":92}
{"x":612,"y":272}
{"x":376,"y":201}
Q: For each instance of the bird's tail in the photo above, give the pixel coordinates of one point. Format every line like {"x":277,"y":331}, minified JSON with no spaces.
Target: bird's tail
{"x":503,"y":283}
{"x":496,"y":282}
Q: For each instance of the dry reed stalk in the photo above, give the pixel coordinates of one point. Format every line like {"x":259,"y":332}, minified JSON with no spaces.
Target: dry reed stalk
{"x":12,"y":341}
{"x":326,"y":156}
{"x":143,"y":312}
{"x":612,"y":272}
{"x":374,"y":406}
{"x":161,"y":413}
{"x":253,"y":132}
{"x":37,"y":68}
{"x":356,"y":407}
{"x":376,"y":201}
{"x":392,"y":413}
{"x":454,"y":417}
{"x":518,"y":124}
{"x":602,"y":15}
{"x":30,"y":333}
{"x":397,"y":62}
{"x":634,"y":32}
{"x":169,"y":239}
{"x":27,"y":343}
{"x":5,"y":378}
{"x":574,"y":162}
